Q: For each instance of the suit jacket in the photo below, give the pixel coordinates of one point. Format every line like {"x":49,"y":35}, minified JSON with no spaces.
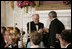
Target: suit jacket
{"x":33,"y":26}
{"x":55,"y":27}
{"x":2,"y":42}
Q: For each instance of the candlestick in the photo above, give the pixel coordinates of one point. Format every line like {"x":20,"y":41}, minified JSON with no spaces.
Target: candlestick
{"x":13,"y":21}
{"x":14,"y":27}
{"x":29,"y":27}
{"x":22,"y":24}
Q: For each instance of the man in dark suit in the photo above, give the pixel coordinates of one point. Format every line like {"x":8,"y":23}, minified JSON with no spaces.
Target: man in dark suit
{"x":55,"y":29}
{"x":35,"y":25}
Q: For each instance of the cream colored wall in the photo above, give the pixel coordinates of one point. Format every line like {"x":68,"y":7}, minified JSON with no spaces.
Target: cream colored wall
{"x":3,"y":17}
{"x":21,"y":18}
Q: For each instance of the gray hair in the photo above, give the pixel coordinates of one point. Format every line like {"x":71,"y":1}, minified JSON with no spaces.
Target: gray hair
{"x":35,"y":14}
{"x":52,"y":14}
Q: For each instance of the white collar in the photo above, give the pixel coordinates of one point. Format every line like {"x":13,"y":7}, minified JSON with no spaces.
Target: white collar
{"x":54,"y":18}
{"x":67,"y":45}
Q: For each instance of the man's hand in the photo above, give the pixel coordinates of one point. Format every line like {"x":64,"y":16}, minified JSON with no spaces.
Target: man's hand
{"x":40,"y":30}
{"x":58,"y":36}
{"x":46,"y":30}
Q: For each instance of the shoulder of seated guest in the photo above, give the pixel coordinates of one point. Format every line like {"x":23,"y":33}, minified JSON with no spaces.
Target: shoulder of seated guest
{"x":69,"y":46}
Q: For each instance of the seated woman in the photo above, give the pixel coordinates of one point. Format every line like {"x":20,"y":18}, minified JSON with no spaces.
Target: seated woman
{"x":35,"y":41}
{"x":7,"y":39}
{"x":15,"y":37}
{"x":3,"y":29}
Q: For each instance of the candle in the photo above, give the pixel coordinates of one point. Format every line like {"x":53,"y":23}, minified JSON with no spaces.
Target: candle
{"x":13,"y":21}
{"x":14,"y":27}
{"x":21,"y":31}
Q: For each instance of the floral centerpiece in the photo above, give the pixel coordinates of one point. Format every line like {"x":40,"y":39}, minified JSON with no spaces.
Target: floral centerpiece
{"x":66,"y":2}
{"x":22,"y":4}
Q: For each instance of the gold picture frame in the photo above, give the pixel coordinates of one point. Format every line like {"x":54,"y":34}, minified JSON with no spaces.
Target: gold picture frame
{"x":51,"y":6}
